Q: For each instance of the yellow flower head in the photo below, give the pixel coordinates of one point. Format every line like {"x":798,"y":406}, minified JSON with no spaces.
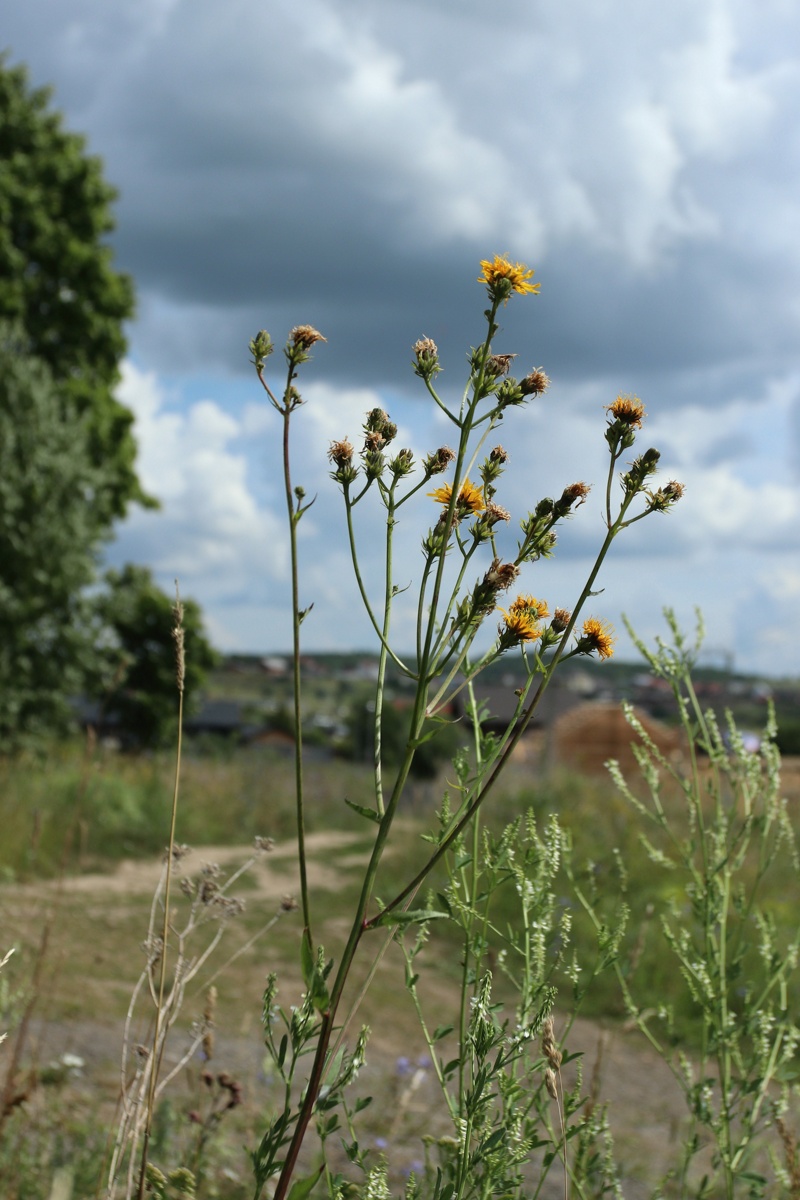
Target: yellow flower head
{"x":518,"y":626}
{"x":503,"y":277}
{"x":597,"y":635}
{"x":628,"y":409}
{"x":525,"y":603}
{"x":470,"y":498}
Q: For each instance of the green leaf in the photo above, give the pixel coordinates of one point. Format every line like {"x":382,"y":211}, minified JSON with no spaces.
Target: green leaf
{"x":441,"y":1031}
{"x":414,"y":916}
{"x":303,"y":1187}
{"x":363,"y":811}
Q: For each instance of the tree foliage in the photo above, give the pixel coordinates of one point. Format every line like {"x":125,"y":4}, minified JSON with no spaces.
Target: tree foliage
{"x":50,"y":531}
{"x":137,"y":619}
{"x":57,"y":281}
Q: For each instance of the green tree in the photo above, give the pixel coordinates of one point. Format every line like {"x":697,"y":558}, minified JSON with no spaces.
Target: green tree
{"x":57,"y":282}
{"x":50,"y":531}
{"x":137,"y":620}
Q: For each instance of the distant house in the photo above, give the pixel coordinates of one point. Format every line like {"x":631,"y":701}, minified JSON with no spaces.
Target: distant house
{"x":220,"y":718}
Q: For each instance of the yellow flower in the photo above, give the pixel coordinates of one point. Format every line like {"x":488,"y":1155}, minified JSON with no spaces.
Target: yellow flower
{"x":518,"y":626}
{"x":628,"y":409}
{"x":529,"y":604}
{"x":501,"y":271}
{"x":470,"y":498}
{"x":597,"y":635}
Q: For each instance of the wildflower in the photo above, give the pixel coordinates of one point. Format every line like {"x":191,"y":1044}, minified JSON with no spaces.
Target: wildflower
{"x":627,"y":409}
{"x":596,"y":635}
{"x":426,"y":353}
{"x":535,"y":383}
{"x":517,"y":627}
{"x":304,"y":336}
{"x":526,"y":603}
{"x":499,"y":455}
{"x":503,"y":277}
{"x":470,"y":499}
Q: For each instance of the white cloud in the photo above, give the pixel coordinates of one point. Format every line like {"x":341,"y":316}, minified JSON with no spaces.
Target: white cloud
{"x":210,"y":530}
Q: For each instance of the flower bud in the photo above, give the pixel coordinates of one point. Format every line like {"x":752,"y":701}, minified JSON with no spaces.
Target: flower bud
{"x":261,"y":347}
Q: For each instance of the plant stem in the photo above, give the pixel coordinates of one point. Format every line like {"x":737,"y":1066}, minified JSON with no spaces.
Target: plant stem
{"x":155,"y":1053}
{"x":294,"y":513}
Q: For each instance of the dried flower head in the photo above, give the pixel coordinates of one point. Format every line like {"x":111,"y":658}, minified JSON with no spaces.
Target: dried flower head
{"x":498,"y":364}
{"x":304,"y":336}
{"x":561,"y":619}
{"x":627,"y":409}
{"x":501,"y":575}
{"x":496,"y":512}
{"x":502,"y":277}
{"x":341,"y":453}
{"x":426,"y":353}
{"x":663,"y":499}
{"x":576,"y":491}
{"x":499,"y":455}
{"x":535,"y":383}
{"x":439,"y":461}
{"x":596,"y":635}
{"x":470,"y":498}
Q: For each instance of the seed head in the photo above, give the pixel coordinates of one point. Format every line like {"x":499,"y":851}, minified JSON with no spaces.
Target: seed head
{"x":304,"y":336}
{"x":534,"y":383}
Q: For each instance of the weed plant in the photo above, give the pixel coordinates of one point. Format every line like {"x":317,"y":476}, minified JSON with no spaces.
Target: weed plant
{"x":502,"y":1071}
{"x":486,"y":885}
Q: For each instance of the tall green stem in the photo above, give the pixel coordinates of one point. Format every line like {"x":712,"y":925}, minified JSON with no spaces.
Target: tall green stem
{"x":294,"y":512}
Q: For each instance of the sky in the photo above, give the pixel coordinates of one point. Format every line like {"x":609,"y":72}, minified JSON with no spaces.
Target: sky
{"x":348,"y":163}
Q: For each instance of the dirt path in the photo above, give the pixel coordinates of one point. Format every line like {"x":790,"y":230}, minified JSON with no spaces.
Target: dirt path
{"x":645,"y":1109}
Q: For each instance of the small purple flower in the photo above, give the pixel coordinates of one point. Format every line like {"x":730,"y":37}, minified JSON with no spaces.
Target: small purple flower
{"x":403,"y":1065}
{"x":423,"y":1062}
{"x":381,"y":1143}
